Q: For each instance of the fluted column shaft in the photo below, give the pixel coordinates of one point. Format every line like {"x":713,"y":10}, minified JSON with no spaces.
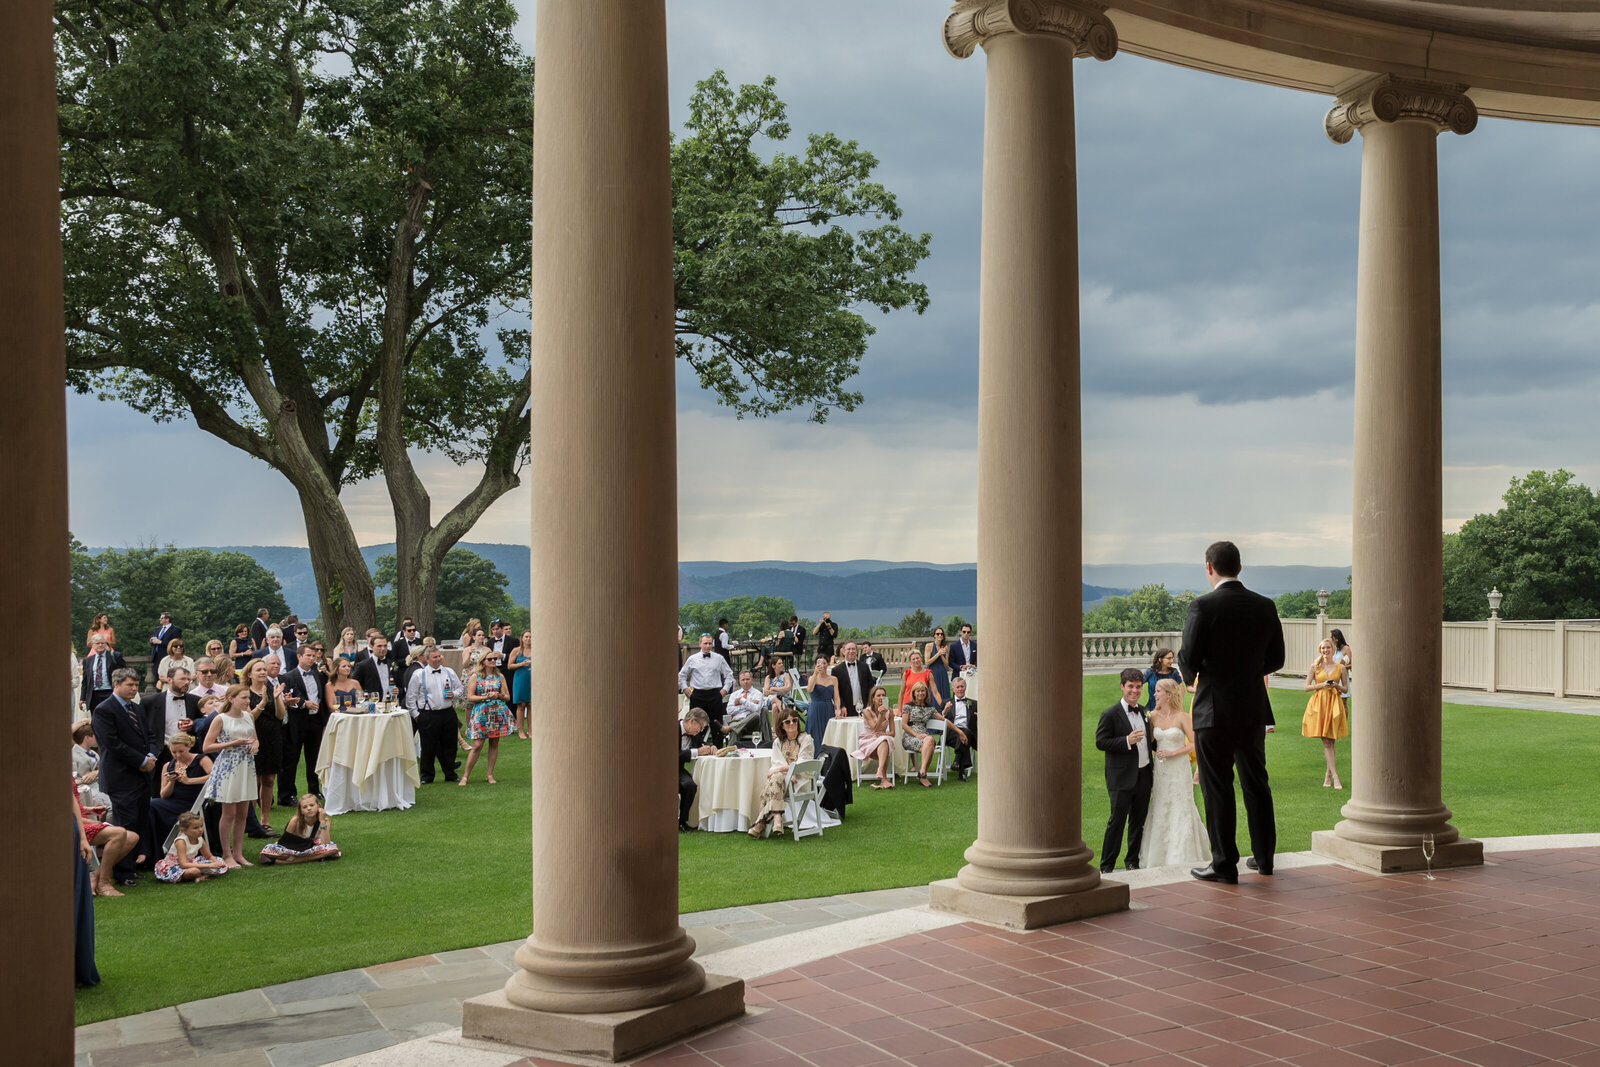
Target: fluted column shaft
{"x":1030,"y":839}
{"x":1396,"y":793}
{"x":604,"y":543}
{"x":36,"y":913}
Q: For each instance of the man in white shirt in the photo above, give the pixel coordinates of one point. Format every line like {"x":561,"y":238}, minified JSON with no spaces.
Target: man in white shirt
{"x":744,"y":708}
{"x":964,"y":651}
{"x":373,"y":670}
{"x":1123,"y":734}
{"x":167,"y":712}
{"x":962,"y":715}
{"x":274,"y":649}
{"x":429,"y":697}
{"x":854,"y":678}
{"x":705,"y":679}
{"x":302,"y":695}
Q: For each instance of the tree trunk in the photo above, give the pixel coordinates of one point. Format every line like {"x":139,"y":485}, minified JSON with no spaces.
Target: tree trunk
{"x":344,"y":584}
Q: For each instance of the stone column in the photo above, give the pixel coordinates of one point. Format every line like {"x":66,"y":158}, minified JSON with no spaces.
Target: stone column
{"x":607,"y":970}
{"x":1029,"y":866}
{"x":35,"y":912}
{"x":1396,"y":798}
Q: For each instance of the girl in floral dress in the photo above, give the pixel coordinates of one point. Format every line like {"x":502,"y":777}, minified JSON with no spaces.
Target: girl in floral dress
{"x":190,"y":859}
{"x":307,"y":838}
{"x":490,"y":718}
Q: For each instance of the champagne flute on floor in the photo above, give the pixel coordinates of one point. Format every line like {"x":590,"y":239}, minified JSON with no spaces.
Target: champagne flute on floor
{"x":1427,"y":855}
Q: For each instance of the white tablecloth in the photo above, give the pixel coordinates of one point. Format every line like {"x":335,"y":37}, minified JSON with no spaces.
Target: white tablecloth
{"x":729,"y":799}
{"x":367,"y":763}
{"x":845,"y":733}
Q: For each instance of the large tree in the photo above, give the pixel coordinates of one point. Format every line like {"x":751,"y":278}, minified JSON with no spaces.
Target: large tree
{"x":1542,"y":549}
{"x":294,"y":221}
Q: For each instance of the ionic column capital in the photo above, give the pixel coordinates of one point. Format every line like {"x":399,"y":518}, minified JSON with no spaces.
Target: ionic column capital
{"x":1082,"y":23}
{"x":1388,"y":99}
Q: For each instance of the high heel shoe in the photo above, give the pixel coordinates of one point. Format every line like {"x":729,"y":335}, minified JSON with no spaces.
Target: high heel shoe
{"x":761,"y":827}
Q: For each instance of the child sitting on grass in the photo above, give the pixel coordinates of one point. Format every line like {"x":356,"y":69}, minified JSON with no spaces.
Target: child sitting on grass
{"x":190,"y":859}
{"x":306,"y":839}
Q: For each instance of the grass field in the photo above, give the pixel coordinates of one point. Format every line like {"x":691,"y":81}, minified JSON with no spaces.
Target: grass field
{"x":454,"y":871}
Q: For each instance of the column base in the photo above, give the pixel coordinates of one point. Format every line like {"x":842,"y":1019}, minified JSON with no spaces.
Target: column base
{"x":1027,"y":913}
{"x":611,"y":1036}
{"x":1393,"y":859}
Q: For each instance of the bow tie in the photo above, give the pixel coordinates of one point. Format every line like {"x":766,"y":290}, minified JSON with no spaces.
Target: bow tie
{"x":435,"y":670}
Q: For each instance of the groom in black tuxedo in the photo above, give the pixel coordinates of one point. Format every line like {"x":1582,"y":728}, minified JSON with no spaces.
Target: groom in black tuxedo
{"x":1232,"y":639}
{"x":1124,"y":736}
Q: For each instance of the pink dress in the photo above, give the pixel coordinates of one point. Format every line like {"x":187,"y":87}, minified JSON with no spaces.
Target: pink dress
{"x":867,"y":744}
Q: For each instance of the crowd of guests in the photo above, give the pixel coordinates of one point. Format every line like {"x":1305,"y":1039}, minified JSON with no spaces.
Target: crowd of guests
{"x":790,"y":712}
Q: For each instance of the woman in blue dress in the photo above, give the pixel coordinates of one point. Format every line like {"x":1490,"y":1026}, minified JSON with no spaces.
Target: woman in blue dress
{"x":937,"y":656}
{"x":521,"y":687}
{"x":824,"y":691}
{"x":1161,"y":667}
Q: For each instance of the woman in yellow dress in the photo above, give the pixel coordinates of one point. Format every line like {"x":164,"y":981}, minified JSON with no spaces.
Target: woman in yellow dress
{"x":1324,"y":716}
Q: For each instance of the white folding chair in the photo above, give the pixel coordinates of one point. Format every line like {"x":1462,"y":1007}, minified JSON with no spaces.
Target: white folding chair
{"x":801,"y":796}
{"x":935,"y":728}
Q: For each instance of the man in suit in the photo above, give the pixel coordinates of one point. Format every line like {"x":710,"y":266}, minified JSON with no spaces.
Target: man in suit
{"x":302,"y":689}
{"x":962,"y":716}
{"x":258,"y":629}
{"x":428,"y":695}
{"x":1123,"y":734}
{"x":506,"y":642}
{"x":165,"y":632}
{"x":964,"y":651}
{"x":373,"y":668}
{"x":724,"y":641}
{"x":690,"y":745}
{"x":274,"y":649}
{"x":127,"y":757}
{"x":98,"y":666}
{"x":404,"y":639}
{"x":166,"y":713}
{"x":1232,"y":638}
{"x":854,"y":680}
{"x":799,"y":641}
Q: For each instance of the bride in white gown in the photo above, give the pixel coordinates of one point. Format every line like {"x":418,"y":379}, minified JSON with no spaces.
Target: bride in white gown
{"x":1173,"y":832}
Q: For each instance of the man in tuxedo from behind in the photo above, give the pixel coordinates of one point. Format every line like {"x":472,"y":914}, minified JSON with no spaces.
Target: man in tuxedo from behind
{"x":1123,"y":734}
{"x":169,"y":712}
{"x":964,"y":650}
{"x":98,"y":666}
{"x":302,"y":694}
{"x":854,"y":680}
{"x":127,"y":756}
{"x":962,"y":715}
{"x":1231,"y":639}
{"x":165,"y":632}
{"x":373,"y":669}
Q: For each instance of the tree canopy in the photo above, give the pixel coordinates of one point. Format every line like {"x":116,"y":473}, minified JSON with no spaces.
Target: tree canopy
{"x":918,"y":624}
{"x":1542,"y":549}
{"x":1148,"y":609}
{"x":1303,"y":604}
{"x":762,"y":616}
{"x":470,"y":587}
{"x":207,"y":593}
{"x":299,"y":223}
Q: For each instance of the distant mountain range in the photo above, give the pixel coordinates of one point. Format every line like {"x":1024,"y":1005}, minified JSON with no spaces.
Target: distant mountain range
{"x":856,"y":585}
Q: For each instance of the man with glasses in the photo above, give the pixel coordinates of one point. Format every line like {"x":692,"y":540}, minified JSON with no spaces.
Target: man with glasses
{"x":400,"y":647}
{"x":206,"y":682}
{"x":964,"y":652}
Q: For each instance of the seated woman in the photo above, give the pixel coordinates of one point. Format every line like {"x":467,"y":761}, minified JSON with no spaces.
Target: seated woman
{"x":776,"y":689}
{"x":916,"y":713}
{"x":877,"y":737}
{"x":189,"y":859}
{"x":789,"y":747}
{"x":112,"y":842}
{"x":181,"y":781}
{"x":86,"y":766}
{"x":306,"y":839}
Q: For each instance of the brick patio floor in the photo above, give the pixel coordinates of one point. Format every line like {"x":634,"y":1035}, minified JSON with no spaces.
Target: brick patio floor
{"x":1498,"y":965}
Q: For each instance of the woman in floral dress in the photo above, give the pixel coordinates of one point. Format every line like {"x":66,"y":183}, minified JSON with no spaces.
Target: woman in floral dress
{"x":490,"y":718}
{"x":789,"y":747}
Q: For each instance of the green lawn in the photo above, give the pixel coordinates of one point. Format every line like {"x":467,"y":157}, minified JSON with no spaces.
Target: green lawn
{"x":453,"y":872}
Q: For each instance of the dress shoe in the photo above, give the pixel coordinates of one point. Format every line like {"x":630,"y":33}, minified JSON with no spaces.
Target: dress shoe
{"x":424,"y":781}
{"x":961,"y":775}
{"x":1258,"y":868}
{"x":1132,"y":865}
{"x":259,"y":834}
{"x":685,"y":828}
{"x":1209,"y":873}
{"x":1107,"y":870}
{"x":452,"y":778}
{"x":127,"y":881}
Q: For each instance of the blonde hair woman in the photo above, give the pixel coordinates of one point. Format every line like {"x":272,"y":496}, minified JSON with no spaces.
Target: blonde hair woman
{"x":1173,"y":832}
{"x":1325,"y":717}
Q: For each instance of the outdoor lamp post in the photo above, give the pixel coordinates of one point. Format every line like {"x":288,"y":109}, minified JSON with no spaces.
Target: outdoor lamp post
{"x":1322,"y":603}
{"x":1495,"y":596}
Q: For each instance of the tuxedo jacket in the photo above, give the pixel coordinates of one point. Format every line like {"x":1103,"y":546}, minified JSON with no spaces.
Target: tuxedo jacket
{"x":154,"y":707}
{"x":399,"y":651}
{"x":848,"y":697}
{"x":876,"y":662}
{"x":173,"y":633}
{"x":86,"y":687}
{"x":124,"y":741}
{"x":365,"y":671}
{"x":1231,"y":639}
{"x":958,"y":657}
{"x":1111,"y":737}
{"x":294,"y":683}
{"x":506,"y":644}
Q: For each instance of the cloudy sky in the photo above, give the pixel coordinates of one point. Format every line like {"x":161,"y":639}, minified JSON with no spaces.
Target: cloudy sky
{"x":1218,"y":244}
